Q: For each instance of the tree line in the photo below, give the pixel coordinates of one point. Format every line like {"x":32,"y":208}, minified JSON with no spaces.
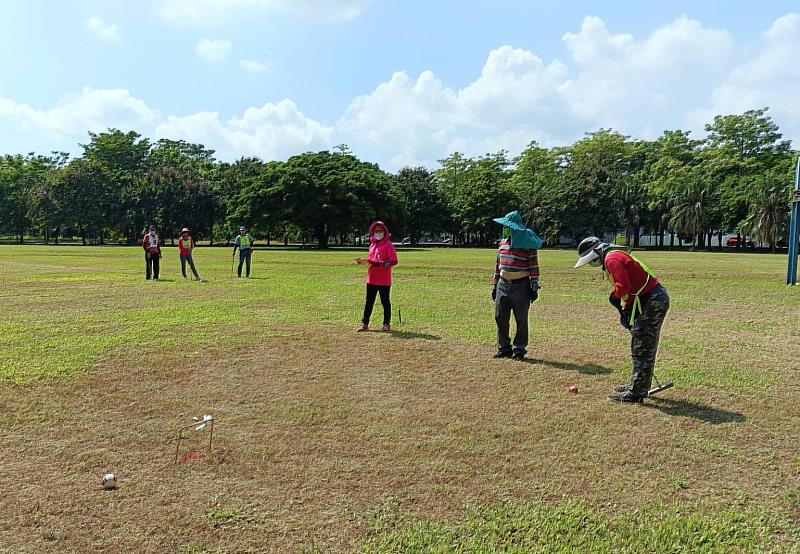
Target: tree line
{"x":737,"y":179}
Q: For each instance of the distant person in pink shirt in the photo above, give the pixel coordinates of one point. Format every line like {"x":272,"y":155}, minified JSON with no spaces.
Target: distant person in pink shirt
{"x":382,"y":257}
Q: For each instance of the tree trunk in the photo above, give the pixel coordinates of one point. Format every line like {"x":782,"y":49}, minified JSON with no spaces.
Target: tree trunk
{"x":82,"y":231}
{"x":738,"y":240}
{"x":321,"y":234}
{"x":671,"y":240}
{"x":636,"y":230}
{"x":720,"y":240}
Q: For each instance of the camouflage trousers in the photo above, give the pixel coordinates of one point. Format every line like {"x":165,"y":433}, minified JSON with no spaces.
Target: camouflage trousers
{"x":644,"y":339}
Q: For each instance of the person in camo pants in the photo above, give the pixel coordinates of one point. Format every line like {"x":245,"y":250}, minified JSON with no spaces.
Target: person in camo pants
{"x":642,"y":303}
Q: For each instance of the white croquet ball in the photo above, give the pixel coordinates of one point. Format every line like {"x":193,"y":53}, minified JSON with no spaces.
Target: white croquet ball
{"x":109,"y":481}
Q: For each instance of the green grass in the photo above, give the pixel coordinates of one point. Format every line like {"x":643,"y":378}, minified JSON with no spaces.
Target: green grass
{"x":410,"y":442}
{"x":69,"y":308}
{"x":573,"y":526}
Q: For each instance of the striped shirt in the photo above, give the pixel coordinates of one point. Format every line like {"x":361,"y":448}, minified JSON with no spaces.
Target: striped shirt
{"x":514,"y":260}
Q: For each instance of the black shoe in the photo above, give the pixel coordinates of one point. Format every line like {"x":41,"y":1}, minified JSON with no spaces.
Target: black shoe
{"x":622,"y":388}
{"x":502,"y":355}
{"x":518,"y":356}
{"x":627,"y":396}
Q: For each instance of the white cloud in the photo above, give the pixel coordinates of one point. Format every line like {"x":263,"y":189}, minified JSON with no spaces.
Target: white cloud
{"x":213,"y":50}
{"x":213,"y":12}
{"x":75,"y":114}
{"x":631,"y":84}
{"x":273,"y":131}
{"x":635,"y":85}
{"x":769,"y":77}
{"x":253,"y":66}
{"x":107,"y":31}
{"x":678,"y":76}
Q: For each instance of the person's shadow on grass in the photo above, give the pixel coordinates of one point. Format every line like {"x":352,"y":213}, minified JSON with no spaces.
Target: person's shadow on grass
{"x":586,"y":369}
{"x":702,"y":412}
{"x":410,"y":335}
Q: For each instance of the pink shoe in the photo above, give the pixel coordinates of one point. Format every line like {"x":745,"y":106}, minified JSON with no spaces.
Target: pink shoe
{"x":386,"y":328}
{"x":363,"y":328}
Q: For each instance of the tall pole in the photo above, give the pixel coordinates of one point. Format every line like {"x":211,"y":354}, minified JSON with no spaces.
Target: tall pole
{"x":794,"y":229}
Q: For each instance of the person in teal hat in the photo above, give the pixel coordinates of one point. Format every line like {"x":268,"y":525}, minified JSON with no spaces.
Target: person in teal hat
{"x":516,"y":284}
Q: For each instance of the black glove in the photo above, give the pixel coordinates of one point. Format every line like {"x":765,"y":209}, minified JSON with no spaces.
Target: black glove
{"x":534,"y":292}
{"x":624,"y":315}
{"x":625,"y":319}
{"x":494,"y":294}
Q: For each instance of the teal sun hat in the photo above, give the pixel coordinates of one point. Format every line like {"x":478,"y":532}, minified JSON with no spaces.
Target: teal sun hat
{"x":521,"y":236}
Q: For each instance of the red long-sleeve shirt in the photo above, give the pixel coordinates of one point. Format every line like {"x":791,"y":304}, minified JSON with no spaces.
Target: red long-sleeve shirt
{"x":628,"y":276}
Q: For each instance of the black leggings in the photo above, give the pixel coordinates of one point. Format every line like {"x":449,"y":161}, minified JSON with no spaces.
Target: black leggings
{"x":372,"y":292}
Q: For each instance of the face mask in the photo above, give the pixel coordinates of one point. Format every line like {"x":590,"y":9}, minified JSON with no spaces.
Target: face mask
{"x":506,"y":232}
{"x":378,"y":236}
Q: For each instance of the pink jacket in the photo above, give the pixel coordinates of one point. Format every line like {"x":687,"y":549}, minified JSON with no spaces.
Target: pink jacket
{"x":382,"y":257}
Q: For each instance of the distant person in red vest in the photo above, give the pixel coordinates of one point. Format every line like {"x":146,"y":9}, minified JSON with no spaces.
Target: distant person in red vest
{"x":151,"y":243}
{"x":186,"y":244}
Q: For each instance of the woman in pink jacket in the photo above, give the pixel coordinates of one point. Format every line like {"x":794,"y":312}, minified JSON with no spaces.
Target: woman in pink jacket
{"x":382,"y":257}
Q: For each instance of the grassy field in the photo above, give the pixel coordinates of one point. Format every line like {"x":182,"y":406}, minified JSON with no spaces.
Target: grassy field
{"x":416,"y":441}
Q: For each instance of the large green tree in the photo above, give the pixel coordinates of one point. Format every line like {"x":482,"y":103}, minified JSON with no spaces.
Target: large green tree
{"x":589,"y":173}
{"x":329,"y":194}
{"x":739,"y":149}
{"x":87,"y":197}
{"x":425,"y":207}
{"x":534,"y":181}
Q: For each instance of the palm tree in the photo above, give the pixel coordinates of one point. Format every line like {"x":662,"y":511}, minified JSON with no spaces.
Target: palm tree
{"x":689,"y":205}
{"x":630,"y":195}
{"x":769,"y":211}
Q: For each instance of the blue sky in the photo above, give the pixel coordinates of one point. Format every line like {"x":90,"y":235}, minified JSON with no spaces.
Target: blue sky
{"x":401,"y":82}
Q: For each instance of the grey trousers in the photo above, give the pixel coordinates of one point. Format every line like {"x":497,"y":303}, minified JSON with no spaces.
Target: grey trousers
{"x":512,"y":297}
{"x":184,"y":260}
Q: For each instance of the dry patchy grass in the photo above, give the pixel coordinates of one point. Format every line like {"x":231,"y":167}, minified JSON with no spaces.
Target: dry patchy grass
{"x":327,"y":440}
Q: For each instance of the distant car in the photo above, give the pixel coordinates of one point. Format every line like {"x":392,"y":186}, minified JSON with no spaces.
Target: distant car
{"x":733,"y":241}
